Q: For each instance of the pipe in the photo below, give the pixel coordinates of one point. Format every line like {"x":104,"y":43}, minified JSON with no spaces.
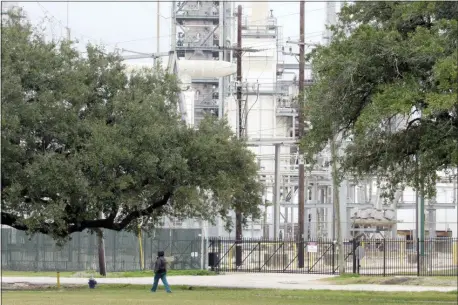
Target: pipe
{"x":277,"y":193}
{"x":222,"y":37}
{"x":238,"y":213}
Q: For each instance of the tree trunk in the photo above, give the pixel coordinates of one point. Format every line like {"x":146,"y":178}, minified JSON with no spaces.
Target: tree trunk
{"x":140,"y":248}
{"x":101,"y":246}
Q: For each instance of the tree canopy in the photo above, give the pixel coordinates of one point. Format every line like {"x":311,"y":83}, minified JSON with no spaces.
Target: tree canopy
{"x":388,"y":83}
{"x":86,"y":145}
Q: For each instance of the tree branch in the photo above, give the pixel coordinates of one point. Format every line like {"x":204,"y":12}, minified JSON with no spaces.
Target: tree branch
{"x":108,"y":223}
{"x":144,"y":212}
{"x":12,"y":221}
{"x":411,"y":122}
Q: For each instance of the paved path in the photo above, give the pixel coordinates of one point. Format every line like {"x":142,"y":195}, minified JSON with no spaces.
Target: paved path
{"x":239,"y":280}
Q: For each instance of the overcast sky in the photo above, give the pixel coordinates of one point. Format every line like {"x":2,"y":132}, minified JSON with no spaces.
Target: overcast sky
{"x":132,"y":25}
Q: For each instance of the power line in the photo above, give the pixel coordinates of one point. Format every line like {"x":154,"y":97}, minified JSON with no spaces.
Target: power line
{"x":50,"y":17}
{"x":170,"y":35}
{"x":308,"y":35}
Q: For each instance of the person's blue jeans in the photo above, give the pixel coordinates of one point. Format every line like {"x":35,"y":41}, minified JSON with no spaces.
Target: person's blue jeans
{"x":163,"y":278}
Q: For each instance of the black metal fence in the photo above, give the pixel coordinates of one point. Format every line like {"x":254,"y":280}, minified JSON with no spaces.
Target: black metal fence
{"x":383,"y":257}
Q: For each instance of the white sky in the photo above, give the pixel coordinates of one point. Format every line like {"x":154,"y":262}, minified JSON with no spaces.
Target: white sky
{"x":132,"y":25}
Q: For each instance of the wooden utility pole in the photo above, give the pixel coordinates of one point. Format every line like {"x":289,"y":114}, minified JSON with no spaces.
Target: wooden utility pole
{"x":301,"y":131}
{"x":238,"y":214}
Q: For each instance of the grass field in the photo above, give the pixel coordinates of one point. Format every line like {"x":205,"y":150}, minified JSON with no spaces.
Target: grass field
{"x":126,"y":295}
{"x":110,"y":274}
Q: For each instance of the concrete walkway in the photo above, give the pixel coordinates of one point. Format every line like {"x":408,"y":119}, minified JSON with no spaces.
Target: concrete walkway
{"x":238,"y":280}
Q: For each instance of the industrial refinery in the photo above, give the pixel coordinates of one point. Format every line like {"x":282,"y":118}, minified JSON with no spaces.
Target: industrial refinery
{"x":202,"y":53}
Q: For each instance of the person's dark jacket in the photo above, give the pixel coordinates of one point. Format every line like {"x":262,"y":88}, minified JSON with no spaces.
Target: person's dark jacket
{"x":161,"y":264}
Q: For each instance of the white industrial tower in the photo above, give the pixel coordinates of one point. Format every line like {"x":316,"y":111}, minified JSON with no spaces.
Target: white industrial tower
{"x":201,"y":33}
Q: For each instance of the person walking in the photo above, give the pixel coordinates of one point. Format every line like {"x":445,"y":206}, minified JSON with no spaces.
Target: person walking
{"x":160,"y":272}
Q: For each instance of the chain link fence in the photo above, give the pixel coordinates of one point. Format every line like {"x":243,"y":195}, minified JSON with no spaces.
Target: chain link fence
{"x":122,"y":250}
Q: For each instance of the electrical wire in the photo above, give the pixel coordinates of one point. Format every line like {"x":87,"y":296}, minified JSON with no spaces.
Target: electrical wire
{"x":309,"y":35}
{"x":257,"y":97}
{"x":47,"y":14}
{"x":89,"y":39}
{"x":53,"y":19}
{"x":170,"y":35}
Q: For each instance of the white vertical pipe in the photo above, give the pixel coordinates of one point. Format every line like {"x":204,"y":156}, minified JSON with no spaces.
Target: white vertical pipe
{"x":277,"y":192}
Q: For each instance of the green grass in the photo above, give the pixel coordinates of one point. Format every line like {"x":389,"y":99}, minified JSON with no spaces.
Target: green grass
{"x":126,"y":295}
{"x":111,"y":274}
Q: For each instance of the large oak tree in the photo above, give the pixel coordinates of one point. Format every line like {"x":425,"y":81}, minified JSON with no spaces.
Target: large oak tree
{"x":82,"y":138}
{"x":387,"y":62}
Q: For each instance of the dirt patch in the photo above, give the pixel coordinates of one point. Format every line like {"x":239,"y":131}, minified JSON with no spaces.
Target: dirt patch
{"x":395,"y":280}
{"x":432,"y":281}
{"x":30,"y":286}
{"x":24,"y":286}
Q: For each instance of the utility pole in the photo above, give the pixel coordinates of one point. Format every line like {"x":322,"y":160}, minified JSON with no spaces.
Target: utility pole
{"x":301,"y":131}
{"x":238,"y":214}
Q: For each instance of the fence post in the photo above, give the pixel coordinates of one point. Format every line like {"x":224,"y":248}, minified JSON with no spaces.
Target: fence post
{"x":202,"y":247}
{"x":353,"y":254}
{"x":455,"y":252}
{"x":37,"y":253}
{"x":259,"y":255}
{"x":206,"y":253}
{"x":333,"y":257}
{"x":212,"y":250}
{"x":218,"y":265}
{"x":384,"y":257}
{"x":418,"y":256}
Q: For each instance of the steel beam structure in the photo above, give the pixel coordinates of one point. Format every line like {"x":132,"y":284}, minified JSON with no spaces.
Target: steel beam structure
{"x":201,"y":30}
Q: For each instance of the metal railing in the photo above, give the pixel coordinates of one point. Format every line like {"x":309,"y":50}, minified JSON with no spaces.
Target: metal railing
{"x":381,"y":257}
